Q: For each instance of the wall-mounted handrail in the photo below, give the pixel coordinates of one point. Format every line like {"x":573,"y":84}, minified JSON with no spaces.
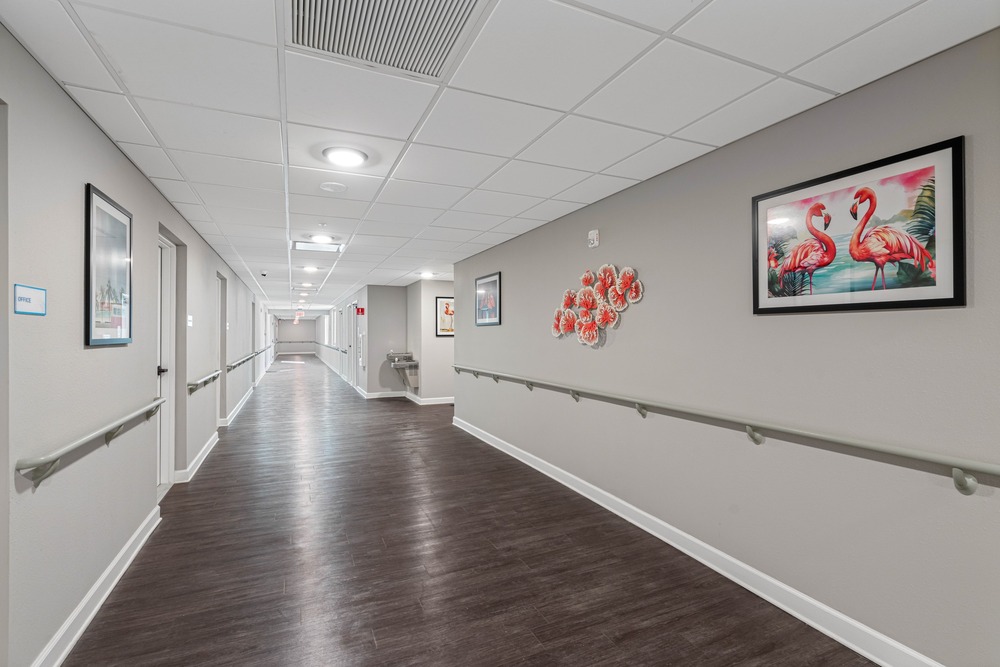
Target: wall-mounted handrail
{"x":332,"y":347}
{"x":41,"y":467}
{"x":240,"y":362}
{"x":201,"y":382}
{"x":960,"y":468}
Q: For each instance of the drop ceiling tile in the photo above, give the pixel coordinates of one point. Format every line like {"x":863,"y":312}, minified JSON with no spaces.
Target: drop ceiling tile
{"x":658,"y":158}
{"x":346,"y":265}
{"x":242,"y":78}
{"x":551,"y":209}
{"x":410,"y":214}
{"x":176,"y":191}
{"x":555,"y":43}
{"x":374,"y":258}
{"x":448,"y":234}
{"x":433,"y":164}
{"x":496,"y":203}
{"x":265,"y":255}
{"x":379,"y":228}
{"x":671,"y":86}
{"x":493,"y":238}
{"x":193,"y":213}
{"x":206,"y":228}
{"x":530,"y":178}
{"x":421,"y":194}
{"x":331,"y":94}
{"x":582,"y":143}
{"x":306,"y":144}
{"x":242,"y":243}
{"x":595,"y":188}
{"x":338,"y":227}
{"x":56,"y":43}
{"x":337,"y":208}
{"x":230,"y":197}
{"x":427,"y":244}
{"x":753,"y":30}
{"x":765,"y":106}
{"x":360,"y":187}
{"x":217,"y":242}
{"x":483,"y":124}
{"x":247,"y":216}
{"x":199,"y":130}
{"x":518,"y":226}
{"x":152,"y":161}
{"x":380,"y":241}
{"x":204,"y":168}
{"x":662,"y":15}
{"x":253,"y":231}
{"x":470,"y":249}
{"x":375,"y":252}
{"x":420,"y":253}
{"x":247,"y":19}
{"x":402,"y":263}
{"x":115,"y":114}
{"x":466,"y":220}
{"x":866,"y":58}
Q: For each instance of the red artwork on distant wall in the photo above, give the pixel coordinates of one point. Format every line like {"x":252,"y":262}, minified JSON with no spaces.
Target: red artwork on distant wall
{"x":597,"y":305}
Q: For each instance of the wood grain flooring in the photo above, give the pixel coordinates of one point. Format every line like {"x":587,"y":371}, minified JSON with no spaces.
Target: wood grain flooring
{"x":328,"y":530}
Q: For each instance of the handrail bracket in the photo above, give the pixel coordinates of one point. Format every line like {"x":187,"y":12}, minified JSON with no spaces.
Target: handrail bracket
{"x":36,"y":475}
{"x":113,"y":433}
{"x":641,"y":409}
{"x":530,"y":385}
{"x":755,"y":437}
{"x":152,"y":413}
{"x":575,"y":394}
{"x":964,"y":482}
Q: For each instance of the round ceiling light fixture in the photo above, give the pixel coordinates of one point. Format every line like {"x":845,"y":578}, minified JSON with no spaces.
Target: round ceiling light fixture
{"x":321,"y":238}
{"x":307,"y":284}
{"x":310,"y":269}
{"x":342,"y":156}
{"x":427,"y":274}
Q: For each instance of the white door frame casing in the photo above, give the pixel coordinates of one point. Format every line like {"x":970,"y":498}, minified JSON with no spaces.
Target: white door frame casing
{"x":166,"y":442}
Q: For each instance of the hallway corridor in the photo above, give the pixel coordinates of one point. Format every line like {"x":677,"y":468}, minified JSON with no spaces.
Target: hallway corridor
{"x":328,"y":530}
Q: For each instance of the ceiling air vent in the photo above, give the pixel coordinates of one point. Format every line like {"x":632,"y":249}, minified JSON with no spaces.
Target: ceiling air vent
{"x":415,"y":36}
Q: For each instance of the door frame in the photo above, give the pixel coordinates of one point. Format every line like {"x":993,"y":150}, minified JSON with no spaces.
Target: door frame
{"x":167,"y":350}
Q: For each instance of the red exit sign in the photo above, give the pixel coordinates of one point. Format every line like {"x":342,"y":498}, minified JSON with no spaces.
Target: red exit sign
{"x":361,"y":311}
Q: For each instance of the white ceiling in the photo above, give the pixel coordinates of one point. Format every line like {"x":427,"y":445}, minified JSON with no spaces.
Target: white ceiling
{"x":543,"y":107}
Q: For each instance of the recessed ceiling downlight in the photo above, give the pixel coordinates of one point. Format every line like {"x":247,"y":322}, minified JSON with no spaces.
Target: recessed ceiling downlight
{"x":321,"y":238}
{"x":331,"y":186}
{"x":344,"y":157}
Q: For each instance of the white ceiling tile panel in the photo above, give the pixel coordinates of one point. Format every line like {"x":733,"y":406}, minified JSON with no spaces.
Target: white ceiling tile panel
{"x":433,"y":164}
{"x":330,"y":206}
{"x":115,"y":114}
{"x":582,"y":143}
{"x":243,"y":77}
{"x":470,"y":249}
{"x":396,"y":213}
{"x":380,"y":241}
{"x":483,"y":124}
{"x":51,"y":36}
{"x":230,"y":197}
{"x":320,"y":223}
{"x":779,"y":34}
{"x":306,"y":144}
{"x":671,"y":86}
{"x":176,"y":191}
{"x":402,"y":263}
{"x":467,"y":220}
{"x":240,"y":242}
{"x":379,"y":228}
{"x":448,"y":234}
{"x":372,"y":258}
{"x":305,"y":181}
{"x":866,"y":58}
{"x":595,"y":188}
{"x":518,"y":226}
{"x":658,"y":158}
{"x":151,"y":160}
{"x":199,"y":130}
{"x":206,"y":228}
{"x":426,"y":244}
{"x":661,"y":14}
{"x":247,"y":216}
{"x":204,"y":168}
{"x":763,"y":107}
{"x":551,"y":209}
{"x":375,"y":252}
{"x":530,"y":178}
{"x":331,"y":94}
{"x":496,"y":203}
{"x":421,"y":194}
{"x":247,"y":19}
{"x":253,"y":231}
{"x":555,"y":43}
{"x":420,"y":253}
{"x":493,"y":238}
{"x":193,"y":213}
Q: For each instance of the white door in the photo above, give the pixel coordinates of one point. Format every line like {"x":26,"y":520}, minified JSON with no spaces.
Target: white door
{"x":352,"y":346}
{"x":165,"y":367}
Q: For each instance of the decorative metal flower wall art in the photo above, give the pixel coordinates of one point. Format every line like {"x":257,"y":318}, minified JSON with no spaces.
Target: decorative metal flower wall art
{"x":597,"y":305}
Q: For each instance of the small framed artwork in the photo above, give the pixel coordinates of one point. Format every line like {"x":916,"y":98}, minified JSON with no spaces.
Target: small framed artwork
{"x":108,"y":280}
{"x":887,"y":234}
{"x":444,"y":312}
{"x":488,"y":300}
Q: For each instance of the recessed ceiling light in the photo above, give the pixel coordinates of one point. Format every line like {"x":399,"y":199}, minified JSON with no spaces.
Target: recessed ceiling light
{"x":302,"y":300}
{"x":320,"y":247}
{"x":331,"y":186}
{"x":310,"y":269}
{"x":307,"y":284}
{"x":321,"y":238}
{"x":303,"y":293}
{"x":426,"y":274}
{"x":344,"y":157}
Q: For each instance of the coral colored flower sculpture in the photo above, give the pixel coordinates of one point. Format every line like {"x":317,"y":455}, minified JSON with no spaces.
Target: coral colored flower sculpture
{"x":597,"y":306}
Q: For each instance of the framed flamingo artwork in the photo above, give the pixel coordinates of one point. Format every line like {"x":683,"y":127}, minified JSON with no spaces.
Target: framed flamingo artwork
{"x":488,"y":300}
{"x":887,"y":234}
{"x":444,"y":314}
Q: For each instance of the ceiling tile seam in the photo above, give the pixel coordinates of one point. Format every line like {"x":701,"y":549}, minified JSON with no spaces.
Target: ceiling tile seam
{"x":174,"y":24}
{"x":162,"y":100}
{"x":603,"y":13}
{"x":279,"y":30}
{"x":94,"y":46}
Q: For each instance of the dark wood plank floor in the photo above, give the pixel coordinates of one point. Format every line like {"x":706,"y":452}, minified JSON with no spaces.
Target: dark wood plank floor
{"x":329,"y":530}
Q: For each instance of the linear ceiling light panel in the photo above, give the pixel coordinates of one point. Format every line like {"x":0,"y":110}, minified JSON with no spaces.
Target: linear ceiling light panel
{"x":415,"y":36}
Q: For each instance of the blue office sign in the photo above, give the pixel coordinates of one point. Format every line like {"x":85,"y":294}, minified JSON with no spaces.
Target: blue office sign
{"x":29,"y":300}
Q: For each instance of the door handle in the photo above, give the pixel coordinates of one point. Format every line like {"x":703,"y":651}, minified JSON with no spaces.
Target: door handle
{"x":160,"y":370}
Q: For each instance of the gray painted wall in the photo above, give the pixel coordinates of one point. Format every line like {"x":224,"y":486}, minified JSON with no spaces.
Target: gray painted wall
{"x":4,"y":390}
{"x":386,"y":331}
{"x":435,"y":354}
{"x":894,"y":547}
{"x":67,"y":531}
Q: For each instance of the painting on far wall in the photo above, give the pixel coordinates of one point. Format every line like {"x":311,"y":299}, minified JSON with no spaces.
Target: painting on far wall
{"x":444,"y":311}
{"x":108,"y":279}
{"x":488,"y":300}
{"x":888,"y":234}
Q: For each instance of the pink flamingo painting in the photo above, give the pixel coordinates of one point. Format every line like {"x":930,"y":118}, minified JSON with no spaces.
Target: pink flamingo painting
{"x":883,"y":244}
{"x":811,"y":254}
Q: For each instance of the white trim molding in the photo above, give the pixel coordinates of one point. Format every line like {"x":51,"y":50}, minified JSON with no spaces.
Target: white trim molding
{"x":188,"y":473}
{"x":72,"y":629}
{"x":851,"y":633}
{"x":379,"y":394}
{"x":440,"y":400}
{"x":239,"y":406}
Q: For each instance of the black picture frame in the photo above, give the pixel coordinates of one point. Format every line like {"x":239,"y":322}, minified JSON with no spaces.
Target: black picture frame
{"x":487,"y":300}
{"x":444,"y":321}
{"x":920,"y":231}
{"x":108,"y":272}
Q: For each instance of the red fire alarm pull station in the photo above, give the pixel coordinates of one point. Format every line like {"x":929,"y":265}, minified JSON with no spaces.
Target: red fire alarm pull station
{"x":361,"y":311}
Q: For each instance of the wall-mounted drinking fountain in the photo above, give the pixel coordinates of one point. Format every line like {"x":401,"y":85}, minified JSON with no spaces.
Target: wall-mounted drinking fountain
{"x":407,"y":367}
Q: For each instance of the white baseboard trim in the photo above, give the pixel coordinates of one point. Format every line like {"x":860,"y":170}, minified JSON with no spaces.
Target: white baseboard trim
{"x":855,"y":635}
{"x":188,"y":473}
{"x":379,"y":394}
{"x":65,"y":639}
{"x":278,"y":354}
{"x":440,"y":400}
{"x":239,"y":406}
{"x":328,"y":364}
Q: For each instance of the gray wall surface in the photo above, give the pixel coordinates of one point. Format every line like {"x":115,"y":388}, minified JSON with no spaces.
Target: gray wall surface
{"x":435,"y":354}
{"x":893,"y":546}
{"x":385,"y":315}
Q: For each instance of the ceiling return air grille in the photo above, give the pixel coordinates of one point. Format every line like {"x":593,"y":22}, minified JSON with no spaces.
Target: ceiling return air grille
{"x":415,"y":36}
